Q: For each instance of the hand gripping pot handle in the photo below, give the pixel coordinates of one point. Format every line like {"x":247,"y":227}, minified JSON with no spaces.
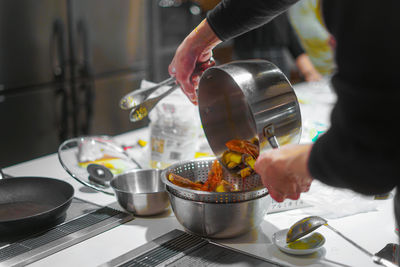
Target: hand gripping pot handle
{"x":247,"y":99}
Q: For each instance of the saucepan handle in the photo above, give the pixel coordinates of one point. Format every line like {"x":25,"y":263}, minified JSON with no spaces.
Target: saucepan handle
{"x":269,"y":133}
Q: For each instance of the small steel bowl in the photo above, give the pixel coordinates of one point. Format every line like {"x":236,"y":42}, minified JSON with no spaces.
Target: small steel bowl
{"x":141,"y":192}
{"x":219,"y":220}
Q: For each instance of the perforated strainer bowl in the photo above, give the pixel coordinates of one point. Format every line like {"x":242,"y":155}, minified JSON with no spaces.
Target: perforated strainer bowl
{"x":216,"y":215}
{"x":197,"y":170}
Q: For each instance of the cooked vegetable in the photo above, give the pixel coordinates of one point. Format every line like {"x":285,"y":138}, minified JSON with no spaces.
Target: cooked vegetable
{"x":214,"y":182}
{"x":241,"y":156}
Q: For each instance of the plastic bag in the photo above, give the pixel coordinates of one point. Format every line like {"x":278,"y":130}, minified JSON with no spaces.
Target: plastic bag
{"x":174,"y":130}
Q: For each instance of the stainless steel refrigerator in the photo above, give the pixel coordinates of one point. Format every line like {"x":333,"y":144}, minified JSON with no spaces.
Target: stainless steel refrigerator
{"x":64,"y":64}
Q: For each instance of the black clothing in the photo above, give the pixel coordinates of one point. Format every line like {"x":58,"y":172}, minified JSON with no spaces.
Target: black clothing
{"x":276,"y":34}
{"x":360,"y":151}
{"x":232,"y":18}
{"x":270,"y":41}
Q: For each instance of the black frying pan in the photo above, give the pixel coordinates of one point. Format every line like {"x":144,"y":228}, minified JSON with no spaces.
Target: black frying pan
{"x":32,"y":202}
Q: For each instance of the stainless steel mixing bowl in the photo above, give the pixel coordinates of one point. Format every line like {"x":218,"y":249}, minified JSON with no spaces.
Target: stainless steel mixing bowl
{"x":141,"y":192}
{"x":219,"y":220}
{"x":216,"y":214}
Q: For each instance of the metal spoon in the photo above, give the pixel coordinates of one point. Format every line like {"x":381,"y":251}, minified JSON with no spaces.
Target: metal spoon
{"x":309,"y":224}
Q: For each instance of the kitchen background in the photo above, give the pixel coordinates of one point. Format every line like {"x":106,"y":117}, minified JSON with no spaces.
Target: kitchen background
{"x":65,"y":64}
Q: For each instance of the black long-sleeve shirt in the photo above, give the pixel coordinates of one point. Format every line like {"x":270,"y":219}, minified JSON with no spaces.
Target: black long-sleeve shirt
{"x":278,"y":33}
{"x":361,"y":150}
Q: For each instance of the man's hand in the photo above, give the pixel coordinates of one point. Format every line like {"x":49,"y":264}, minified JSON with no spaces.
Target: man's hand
{"x":284,"y":171}
{"x":194,"y":50}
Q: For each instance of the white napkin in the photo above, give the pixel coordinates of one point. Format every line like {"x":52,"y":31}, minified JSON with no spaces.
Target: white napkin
{"x":330,"y":202}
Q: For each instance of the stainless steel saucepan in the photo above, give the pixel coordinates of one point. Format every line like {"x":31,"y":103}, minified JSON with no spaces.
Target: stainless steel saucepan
{"x":248,"y":99}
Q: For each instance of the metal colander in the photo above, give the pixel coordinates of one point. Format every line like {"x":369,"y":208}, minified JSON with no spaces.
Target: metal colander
{"x":249,"y":188}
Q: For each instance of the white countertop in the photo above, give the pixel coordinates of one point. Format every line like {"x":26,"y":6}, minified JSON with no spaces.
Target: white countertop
{"x":372,"y":230}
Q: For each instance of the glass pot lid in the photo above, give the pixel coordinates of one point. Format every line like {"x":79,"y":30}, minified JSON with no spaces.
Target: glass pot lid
{"x":95,"y":160}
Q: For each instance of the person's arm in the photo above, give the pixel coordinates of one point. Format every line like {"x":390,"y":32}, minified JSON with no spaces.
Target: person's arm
{"x":307,"y":69}
{"x":231,"y":18}
{"x":360,"y":150}
{"x":303,"y":62}
{"x":196,"y":47}
{"x":284,"y":171}
{"x":227,"y":20}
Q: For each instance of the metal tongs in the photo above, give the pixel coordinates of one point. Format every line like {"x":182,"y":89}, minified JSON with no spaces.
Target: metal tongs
{"x":142,"y":105}
{"x":137,"y":96}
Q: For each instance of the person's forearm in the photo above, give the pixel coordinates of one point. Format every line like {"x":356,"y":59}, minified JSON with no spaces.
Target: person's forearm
{"x":231,"y":18}
{"x":196,"y":48}
{"x":307,"y":69}
{"x":227,"y":19}
{"x":202,"y":39}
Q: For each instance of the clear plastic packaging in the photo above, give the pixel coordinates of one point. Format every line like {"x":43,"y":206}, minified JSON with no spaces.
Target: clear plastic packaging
{"x":174,"y":131}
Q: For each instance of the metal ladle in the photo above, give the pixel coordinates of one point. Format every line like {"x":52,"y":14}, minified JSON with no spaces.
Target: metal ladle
{"x":309,"y":224}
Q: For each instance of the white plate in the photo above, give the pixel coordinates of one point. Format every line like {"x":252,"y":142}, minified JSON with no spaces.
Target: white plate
{"x":279,"y":239}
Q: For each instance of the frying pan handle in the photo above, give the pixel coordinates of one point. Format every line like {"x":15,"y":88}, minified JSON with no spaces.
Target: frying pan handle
{"x":269,"y":133}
